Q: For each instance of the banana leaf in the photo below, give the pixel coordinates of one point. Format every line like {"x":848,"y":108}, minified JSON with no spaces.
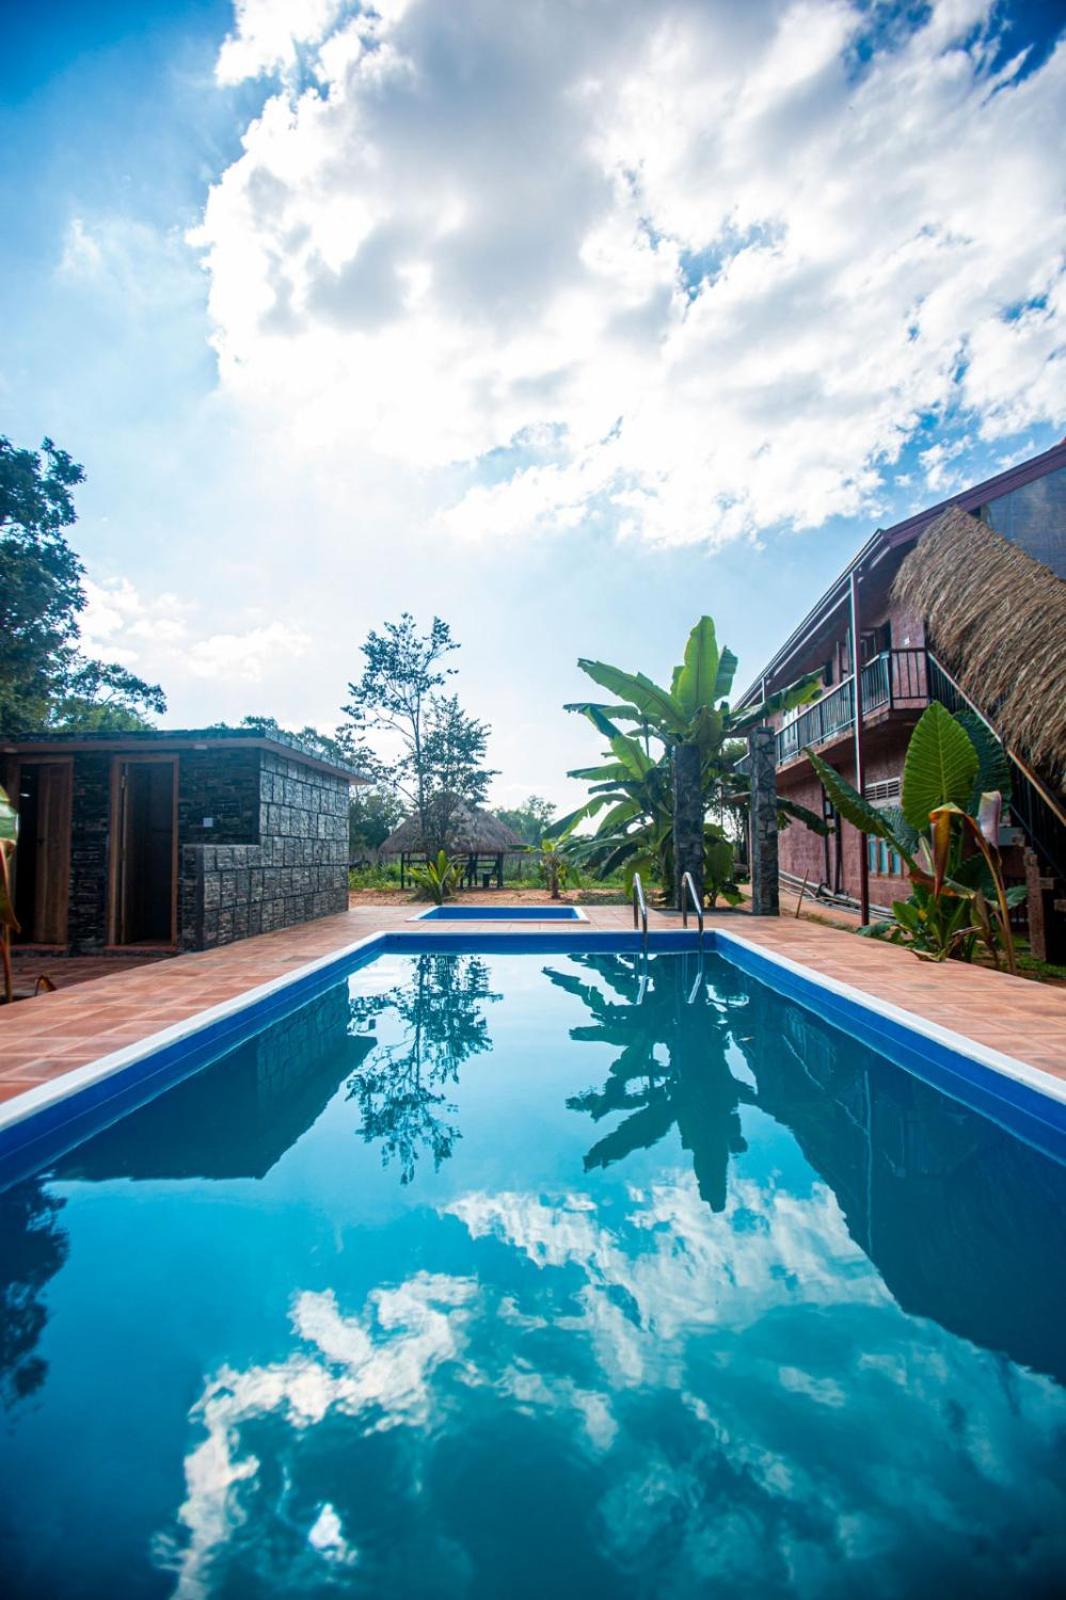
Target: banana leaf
{"x":940,"y":766}
{"x":993,"y":764}
{"x":694,"y":684}
{"x":650,"y":702}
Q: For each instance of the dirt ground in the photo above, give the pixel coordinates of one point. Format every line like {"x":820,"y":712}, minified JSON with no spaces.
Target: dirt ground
{"x":492,"y":897}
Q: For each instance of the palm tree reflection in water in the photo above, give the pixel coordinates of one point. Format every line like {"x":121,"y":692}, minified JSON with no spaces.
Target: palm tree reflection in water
{"x":401,"y":1088}
{"x":672,"y":1067}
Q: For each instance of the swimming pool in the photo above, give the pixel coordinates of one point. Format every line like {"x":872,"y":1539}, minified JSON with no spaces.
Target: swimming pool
{"x":468,"y":1272}
{"x":465,"y":913}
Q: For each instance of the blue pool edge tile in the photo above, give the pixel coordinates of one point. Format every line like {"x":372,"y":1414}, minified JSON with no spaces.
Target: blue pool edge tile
{"x":50,"y":1118}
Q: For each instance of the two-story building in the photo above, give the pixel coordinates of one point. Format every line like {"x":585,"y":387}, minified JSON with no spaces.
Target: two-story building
{"x":859,"y":623}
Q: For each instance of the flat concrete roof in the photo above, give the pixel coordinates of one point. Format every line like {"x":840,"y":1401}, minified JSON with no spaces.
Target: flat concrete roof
{"x":45,"y":741}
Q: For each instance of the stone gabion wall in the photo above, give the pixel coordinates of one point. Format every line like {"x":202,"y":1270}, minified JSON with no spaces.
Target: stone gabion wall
{"x":763,"y":824}
{"x":222,"y":785}
{"x":90,"y":829}
{"x":298,"y":870}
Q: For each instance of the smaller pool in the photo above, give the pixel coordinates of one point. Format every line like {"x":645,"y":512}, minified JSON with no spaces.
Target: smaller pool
{"x":501,"y":914}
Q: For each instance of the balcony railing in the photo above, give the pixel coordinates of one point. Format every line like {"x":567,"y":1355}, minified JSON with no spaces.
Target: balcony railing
{"x":895,"y":678}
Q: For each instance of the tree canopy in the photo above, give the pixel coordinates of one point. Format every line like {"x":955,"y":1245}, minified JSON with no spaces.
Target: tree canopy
{"x":532,"y":820}
{"x":431,"y":753}
{"x":45,"y":681}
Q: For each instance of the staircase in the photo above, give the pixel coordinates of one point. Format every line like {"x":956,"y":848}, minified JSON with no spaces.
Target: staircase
{"x":1041,"y":816}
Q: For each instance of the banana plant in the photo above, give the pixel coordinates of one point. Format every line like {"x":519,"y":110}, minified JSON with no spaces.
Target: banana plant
{"x":554,"y":864}
{"x":946,"y":831}
{"x":630,"y":795}
{"x":695,"y":709}
{"x":632,"y":792}
{"x":438,"y":877}
{"x":9,"y":829}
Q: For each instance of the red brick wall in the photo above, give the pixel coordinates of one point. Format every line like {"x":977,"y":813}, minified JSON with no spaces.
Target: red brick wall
{"x":803,"y":852}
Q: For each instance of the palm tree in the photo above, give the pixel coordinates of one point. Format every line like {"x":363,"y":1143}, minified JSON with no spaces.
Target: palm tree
{"x":672,"y":1067}
{"x":656,"y":816}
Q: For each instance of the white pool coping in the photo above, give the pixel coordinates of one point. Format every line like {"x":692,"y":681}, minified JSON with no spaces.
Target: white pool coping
{"x":1045,"y":1083}
{"x":44,"y":1095}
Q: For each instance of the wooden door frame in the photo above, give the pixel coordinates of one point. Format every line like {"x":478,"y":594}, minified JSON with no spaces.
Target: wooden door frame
{"x":58,"y":760}
{"x":115,"y":852}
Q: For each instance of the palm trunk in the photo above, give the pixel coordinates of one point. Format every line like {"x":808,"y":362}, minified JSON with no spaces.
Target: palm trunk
{"x":688,"y":821}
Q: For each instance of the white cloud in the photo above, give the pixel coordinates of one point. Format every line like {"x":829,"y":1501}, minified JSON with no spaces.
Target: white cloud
{"x":380,"y":1362}
{"x":660,"y":1332}
{"x":246,"y":656}
{"x":268,"y":35}
{"x":129,"y":265}
{"x":162,"y":637}
{"x":697,"y":269}
{"x":120,"y":624}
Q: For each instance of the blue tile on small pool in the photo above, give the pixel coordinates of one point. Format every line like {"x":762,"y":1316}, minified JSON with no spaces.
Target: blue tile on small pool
{"x":461,"y":913}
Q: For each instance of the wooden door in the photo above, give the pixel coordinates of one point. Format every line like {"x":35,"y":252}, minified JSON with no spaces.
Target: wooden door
{"x":144,"y":846}
{"x":42,"y":860}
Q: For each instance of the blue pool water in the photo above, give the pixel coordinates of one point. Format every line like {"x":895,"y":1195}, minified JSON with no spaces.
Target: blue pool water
{"x":454,"y":913}
{"x":492,"y":1275}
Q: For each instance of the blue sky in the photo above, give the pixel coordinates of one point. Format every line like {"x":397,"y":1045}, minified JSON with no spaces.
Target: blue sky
{"x":568,"y":324}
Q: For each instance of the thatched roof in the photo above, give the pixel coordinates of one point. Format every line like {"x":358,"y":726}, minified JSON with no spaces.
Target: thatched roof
{"x":471,"y":831}
{"x":997,"y":619}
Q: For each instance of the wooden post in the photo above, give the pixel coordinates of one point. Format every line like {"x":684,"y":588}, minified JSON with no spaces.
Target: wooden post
{"x":860,"y":776}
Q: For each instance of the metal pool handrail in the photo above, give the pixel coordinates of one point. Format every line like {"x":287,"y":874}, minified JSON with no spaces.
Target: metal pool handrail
{"x":640,"y":907}
{"x":689,"y":883}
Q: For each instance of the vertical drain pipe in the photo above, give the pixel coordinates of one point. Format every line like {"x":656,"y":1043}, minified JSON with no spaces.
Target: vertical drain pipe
{"x":860,"y":775}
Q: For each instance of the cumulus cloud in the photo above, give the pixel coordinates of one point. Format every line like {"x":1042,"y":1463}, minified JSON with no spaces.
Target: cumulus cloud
{"x":380,"y":1363}
{"x":690,"y":268}
{"x":161,"y":636}
{"x":659,"y":1330}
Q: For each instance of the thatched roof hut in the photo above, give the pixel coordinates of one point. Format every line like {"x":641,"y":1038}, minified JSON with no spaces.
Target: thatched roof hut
{"x":472,"y":833}
{"x":482,"y":839}
{"x":997,"y":619}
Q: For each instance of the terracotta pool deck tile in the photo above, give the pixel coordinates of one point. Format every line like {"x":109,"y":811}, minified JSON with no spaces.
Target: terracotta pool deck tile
{"x":43,"y":1038}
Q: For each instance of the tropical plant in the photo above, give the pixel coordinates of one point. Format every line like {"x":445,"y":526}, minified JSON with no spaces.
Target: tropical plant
{"x":438,"y":877}
{"x":632,"y":793}
{"x":9,"y":827}
{"x":718,"y":867}
{"x":946,"y":831}
{"x":554,"y":864}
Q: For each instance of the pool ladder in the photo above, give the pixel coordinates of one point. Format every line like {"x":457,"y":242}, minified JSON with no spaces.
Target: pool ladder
{"x":689,"y":883}
{"x":640,"y":910}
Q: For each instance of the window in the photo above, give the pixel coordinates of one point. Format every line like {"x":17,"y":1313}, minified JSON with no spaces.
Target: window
{"x":882,"y":860}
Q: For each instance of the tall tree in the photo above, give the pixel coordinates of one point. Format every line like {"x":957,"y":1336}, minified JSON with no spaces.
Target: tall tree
{"x":455,"y":776}
{"x":41,"y":592}
{"x":532,"y":820}
{"x":102,"y":696}
{"x":373,"y":812}
{"x":441,"y":750}
{"x":44,"y":680}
